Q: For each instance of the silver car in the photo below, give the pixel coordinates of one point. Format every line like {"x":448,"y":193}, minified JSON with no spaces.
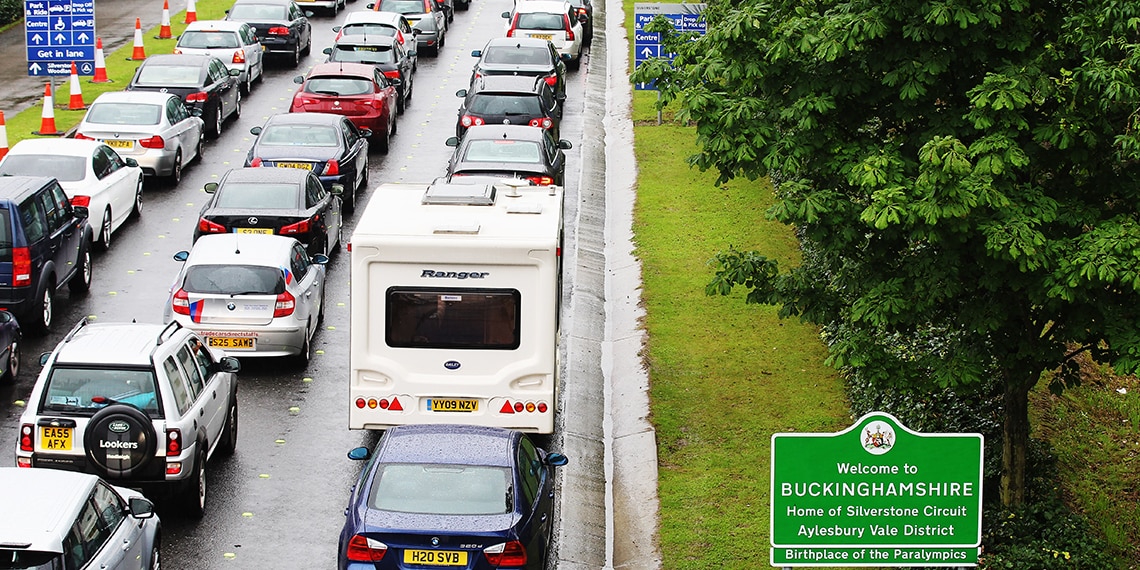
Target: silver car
{"x":235,"y":43}
{"x":63,"y":519}
{"x":250,"y":294}
{"x":155,"y":129}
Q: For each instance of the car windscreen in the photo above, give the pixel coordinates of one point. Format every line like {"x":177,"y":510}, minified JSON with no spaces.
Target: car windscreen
{"x":257,"y":195}
{"x":453,"y":318}
{"x":368,"y":30}
{"x":207,"y":39}
{"x":363,"y":54}
{"x":234,"y":280}
{"x":541,"y":21}
{"x":510,"y":55}
{"x":257,"y":12}
{"x":299,"y":135}
{"x":502,"y":151}
{"x":403,"y":6}
{"x":504,"y":104}
{"x":63,"y":168}
{"x":339,"y":86}
{"x":124,"y":114}
{"x":84,"y":391}
{"x":28,"y":560}
{"x":169,"y":76}
{"x":442,"y":489}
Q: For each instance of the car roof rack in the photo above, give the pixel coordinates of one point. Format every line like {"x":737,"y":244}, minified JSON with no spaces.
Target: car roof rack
{"x":70,"y":334}
{"x":167,"y":332}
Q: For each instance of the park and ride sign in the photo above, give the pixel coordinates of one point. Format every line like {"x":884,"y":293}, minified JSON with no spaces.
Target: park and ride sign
{"x":876,"y":494}
{"x":59,"y":33}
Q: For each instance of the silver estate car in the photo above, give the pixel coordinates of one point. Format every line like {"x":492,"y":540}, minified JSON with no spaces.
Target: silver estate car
{"x":155,"y":129}
{"x":62,"y":519}
{"x":250,"y":294}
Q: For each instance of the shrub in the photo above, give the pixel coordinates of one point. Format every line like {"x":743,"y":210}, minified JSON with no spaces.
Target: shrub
{"x":11,"y":11}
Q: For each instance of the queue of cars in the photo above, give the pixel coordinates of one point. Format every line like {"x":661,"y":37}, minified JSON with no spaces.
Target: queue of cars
{"x":117,"y":400}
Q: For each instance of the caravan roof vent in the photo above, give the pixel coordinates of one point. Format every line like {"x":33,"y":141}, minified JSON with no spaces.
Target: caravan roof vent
{"x":460,"y":194}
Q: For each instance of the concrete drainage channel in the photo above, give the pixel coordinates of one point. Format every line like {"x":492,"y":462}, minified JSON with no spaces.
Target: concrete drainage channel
{"x":610,"y":485}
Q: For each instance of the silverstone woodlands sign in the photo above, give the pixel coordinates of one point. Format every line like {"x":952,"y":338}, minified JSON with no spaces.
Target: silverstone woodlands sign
{"x":876,"y":494}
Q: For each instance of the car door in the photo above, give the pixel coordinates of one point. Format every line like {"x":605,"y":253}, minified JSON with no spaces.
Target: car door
{"x":119,"y":184}
{"x":254,"y":53}
{"x":63,"y":235}
{"x":124,"y":543}
{"x":225,"y":86}
{"x":210,"y":402}
{"x":357,"y":150}
{"x":320,"y":201}
{"x":537,"y":497}
{"x":310,"y":281}
{"x":299,"y":24}
{"x":181,"y":130}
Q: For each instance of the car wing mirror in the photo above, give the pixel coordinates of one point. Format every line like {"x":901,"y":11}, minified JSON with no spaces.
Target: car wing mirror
{"x":336,"y":28}
{"x":44,"y":356}
{"x":506,"y":14}
{"x":196,"y":111}
{"x":299,"y":79}
{"x":411,"y":53}
{"x":359,"y":454}
{"x":210,"y":187}
{"x":452,"y":141}
{"x":365,"y":132}
{"x":131,"y":162}
{"x":565,"y":144}
{"x":182,"y":255}
{"x":308,"y":13}
{"x":255,"y":131}
{"x":235,"y":72}
{"x":80,"y":212}
{"x":461,"y":93}
{"x":226,"y":364}
{"x":337,"y":189}
{"x":476,"y":53}
{"x":555,"y":459}
{"x":320,"y":259}
{"x":327,"y":51}
{"x":582,"y":18}
{"x":140,"y":507}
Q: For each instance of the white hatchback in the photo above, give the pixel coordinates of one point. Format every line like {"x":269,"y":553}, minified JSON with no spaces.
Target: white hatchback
{"x":91,"y":173}
{"x":555,"y":21}
{"x":235,"y":43}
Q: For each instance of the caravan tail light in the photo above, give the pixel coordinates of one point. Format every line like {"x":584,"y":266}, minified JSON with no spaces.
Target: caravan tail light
{"x":541,"y":180}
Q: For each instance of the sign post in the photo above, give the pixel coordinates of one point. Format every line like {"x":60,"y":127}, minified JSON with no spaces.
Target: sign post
{"x":876,"y":494}
{"x":58,"y":33}
{"x":647,"y":45}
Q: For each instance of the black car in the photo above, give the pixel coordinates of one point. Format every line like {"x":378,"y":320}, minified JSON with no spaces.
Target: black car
{"x":280,"y":25}
{"x":384,"y":52}
{"x":522,"y":56}
{"x":280,"y":201}
{"x":325,"y":144}
{"x":509,"y":100}
{"x":45,"y":244}
{"x":585,"y":8}
{"x":509,"y":151}
{"x":209,"y":88}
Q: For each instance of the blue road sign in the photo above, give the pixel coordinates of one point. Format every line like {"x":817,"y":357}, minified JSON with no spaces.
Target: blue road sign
{"x":59,"y":33}
{"x":647,"y":45}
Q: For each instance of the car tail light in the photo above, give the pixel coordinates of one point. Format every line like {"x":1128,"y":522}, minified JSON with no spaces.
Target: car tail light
{"x":207,"y":227}
{"x":543,"y":123}
{"x":83,"y":137}
{"x":285,"y":305}
{"x":278,"y":31}
{"x":81,"y":201}
{"x":155,"y":141}
{"x":569,"y":28}
{"x":551,"y":80}
{"x":541,"y":180}
{"x":301,"y":227}
{"x":180,"y":303}
{"x":514,"y":24}
{"x":580,"y":11}
{"x":469,"y":121}
{"x":399,"y":37}
{"x":173,"y":442}
{"x":348,"y":247}
{"x":199,"y":97}
{"x":27,"y":437}
{"x":256,"y":162}
{"x":363,"y":549}
{"x":332,"y":168}
{"x":239,"y":57}
{"x":177,"y":51}
{"x":21,"y":267}
{"x":478,"y":75}
{"x":506,"y":554}
{"x":392,"y":74}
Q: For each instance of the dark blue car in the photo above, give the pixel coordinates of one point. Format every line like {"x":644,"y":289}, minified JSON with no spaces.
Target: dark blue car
{"x":450,"y":496}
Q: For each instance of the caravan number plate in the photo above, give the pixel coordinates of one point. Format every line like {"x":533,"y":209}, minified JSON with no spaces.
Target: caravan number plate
{"x":452,"y":405}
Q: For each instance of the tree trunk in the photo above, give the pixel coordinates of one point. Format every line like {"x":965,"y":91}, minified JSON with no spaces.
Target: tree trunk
{"x":1015,"y":442}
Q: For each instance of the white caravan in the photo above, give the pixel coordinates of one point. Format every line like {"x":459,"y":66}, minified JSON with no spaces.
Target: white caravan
{"x":455,"y":297}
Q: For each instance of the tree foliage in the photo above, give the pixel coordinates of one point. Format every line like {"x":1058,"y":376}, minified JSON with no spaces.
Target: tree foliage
{"x":961,"y":169}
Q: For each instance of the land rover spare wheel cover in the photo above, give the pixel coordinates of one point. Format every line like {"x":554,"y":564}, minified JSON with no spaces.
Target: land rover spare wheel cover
{"x":120,"y":441}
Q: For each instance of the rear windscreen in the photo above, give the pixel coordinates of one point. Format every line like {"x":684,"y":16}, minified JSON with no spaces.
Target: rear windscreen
{"x":234,"y":280}
{"x":124,"y":114}
{"x":500,"y":104}
{"x":363,"y":54}
{"x":84,"y":391}
{"x":512,"y":55}
{"x":259,"y":196}
{"x":442,"y":489}
{"x":299,"y":135}
{"x":258,"y":12}
{"x":541,"y":21}
{"x":502,"y":151}
{"x":367,"y":30}
{"x":208,"y":40}
{"x":63,"y":168}
{"x":29,"y":560}
{"x":343,"y":86}
{"x":453,"y":318}
{"x":170,"y":76}
{"x":403,"y":6}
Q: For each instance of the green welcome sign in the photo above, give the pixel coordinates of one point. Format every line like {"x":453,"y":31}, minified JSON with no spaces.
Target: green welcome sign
{"x":876,"y":494}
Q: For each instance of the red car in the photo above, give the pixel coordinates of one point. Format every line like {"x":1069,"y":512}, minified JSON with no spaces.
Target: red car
{"x":355,"y":90}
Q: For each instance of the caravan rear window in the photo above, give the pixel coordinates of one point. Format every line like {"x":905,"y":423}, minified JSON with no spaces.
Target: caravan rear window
{"x":485,"y":319}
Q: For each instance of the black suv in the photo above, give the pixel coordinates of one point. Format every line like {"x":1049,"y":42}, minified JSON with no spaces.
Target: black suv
{"x":509,"y":100}
{"x":45,"y":243}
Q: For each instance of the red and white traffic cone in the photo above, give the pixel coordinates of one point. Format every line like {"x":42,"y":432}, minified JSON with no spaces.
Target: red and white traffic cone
{"x":76,"y":102}
{"x":47,"y":118}
{"x":100,"y":64}
{"x":139,"y":53}
{"x":191,"y":12}
{"x":164,"y":29}
{"x":3,"y":136}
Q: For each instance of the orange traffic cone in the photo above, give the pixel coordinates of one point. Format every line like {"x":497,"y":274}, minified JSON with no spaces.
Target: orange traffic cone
{"x":76,"y":103}
{"x":191,"y":12}
{"x":164,"y":30}
{"x":139,"y":53}
{"x":3,"y":136}
{"x":47,"y":122}
{"x":100,"y":64}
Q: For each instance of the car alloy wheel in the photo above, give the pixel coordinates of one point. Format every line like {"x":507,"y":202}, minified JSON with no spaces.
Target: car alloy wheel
{"x":105,"y":231}
{"x":13,"y":360}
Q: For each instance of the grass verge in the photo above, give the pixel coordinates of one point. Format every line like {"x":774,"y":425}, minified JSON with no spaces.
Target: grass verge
{"x":120,"y":69}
